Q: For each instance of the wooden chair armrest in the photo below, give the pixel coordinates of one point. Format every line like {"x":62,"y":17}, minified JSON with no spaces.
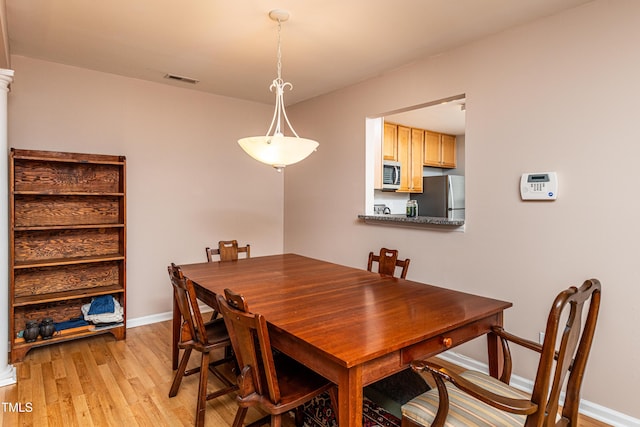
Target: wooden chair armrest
{"x":531,"y":345}
{"x":505,"y":339}
{"x":515,"y":406}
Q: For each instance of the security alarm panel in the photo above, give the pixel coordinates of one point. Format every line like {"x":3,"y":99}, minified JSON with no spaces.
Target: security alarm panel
{"x":539,"y":186}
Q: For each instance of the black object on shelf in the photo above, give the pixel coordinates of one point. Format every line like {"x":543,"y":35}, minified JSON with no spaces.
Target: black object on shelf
{"x":31,"y":331}
{"x":47,"y":328}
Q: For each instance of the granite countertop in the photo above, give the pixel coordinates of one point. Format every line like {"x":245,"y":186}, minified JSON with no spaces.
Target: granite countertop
{"x":415,"y":221}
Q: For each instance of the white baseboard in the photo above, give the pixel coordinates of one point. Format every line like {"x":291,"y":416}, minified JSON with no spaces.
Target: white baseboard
{"x":160,"y":317}
{"x":589,"y":409}
{"x":8,"y":377}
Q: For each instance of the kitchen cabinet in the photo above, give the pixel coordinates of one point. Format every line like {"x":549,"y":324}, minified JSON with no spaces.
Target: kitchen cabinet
{"x":417,"y":150}
{"x":448,"y":151}
{"x":404,"y":157}
{"x":439,"y":150}
{"x":390,"y":142}
{"x":410,"y":154}
{"x":67,"y":241}
{"x":432,"y":148}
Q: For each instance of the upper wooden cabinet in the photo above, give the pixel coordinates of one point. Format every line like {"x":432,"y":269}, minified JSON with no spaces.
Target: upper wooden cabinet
{"x":432,"y":148}
{"x":417,"y":152}
{"x":404,"y":157}
{"x":448,"y":151}
{"x":390,"y":142}
{"x":415,"y":148}
{"x":439,"y":150}
{"x":410,"y":147}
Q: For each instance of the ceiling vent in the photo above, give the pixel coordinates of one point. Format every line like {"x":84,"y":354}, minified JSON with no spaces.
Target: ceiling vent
{"x":181,"y":79}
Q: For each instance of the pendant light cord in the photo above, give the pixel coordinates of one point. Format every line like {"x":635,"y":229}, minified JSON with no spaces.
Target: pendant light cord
{"x":279,"y":52}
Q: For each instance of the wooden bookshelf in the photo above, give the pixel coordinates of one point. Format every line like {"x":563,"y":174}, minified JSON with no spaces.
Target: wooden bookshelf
{"x":67,"y":240}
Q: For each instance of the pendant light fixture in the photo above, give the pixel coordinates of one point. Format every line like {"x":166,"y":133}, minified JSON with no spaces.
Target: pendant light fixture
{"x":275,"y":148}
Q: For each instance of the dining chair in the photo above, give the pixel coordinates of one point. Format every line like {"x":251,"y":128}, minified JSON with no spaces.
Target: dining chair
{"x":387,"y":262}
{"x":228,"y":250}
{"x":271,"y":380}
{"x":473,"y":398}
{"x":202,"y":337}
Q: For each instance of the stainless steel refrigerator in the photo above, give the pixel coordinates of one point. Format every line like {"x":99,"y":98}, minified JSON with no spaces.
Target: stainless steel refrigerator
{"x":442,"y":196}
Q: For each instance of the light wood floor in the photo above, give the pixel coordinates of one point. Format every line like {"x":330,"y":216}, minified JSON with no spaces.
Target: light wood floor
{"x":102,"y":382}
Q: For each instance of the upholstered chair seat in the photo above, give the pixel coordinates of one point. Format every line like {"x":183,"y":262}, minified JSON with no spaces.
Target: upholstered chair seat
{"x":465,"y":410}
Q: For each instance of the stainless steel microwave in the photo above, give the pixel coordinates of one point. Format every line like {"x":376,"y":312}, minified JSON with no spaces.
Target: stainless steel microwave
{"x":390,"y":175}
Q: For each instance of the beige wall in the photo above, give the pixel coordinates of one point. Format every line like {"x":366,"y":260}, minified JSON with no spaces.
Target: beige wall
{"x":189,"y":184}
{"x":559,"y":95}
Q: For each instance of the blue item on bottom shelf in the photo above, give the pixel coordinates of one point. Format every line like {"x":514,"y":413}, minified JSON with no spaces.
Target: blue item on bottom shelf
{"x":102,"y":304}
{"x":72,"y":323}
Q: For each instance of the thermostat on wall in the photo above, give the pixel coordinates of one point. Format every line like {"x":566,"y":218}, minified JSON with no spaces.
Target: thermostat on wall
{"x":539,"y":186}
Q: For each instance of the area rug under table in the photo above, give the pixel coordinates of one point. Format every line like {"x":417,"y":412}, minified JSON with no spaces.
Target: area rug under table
{"x":318,"y":413}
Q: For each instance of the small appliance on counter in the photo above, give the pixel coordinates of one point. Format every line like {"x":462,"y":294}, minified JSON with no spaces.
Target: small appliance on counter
{"x":380,"y":209}
{"x":442,"y":196}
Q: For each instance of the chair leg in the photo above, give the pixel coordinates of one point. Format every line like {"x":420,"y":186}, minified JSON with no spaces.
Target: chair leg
{"x":177,"y":380}
{"x":333,"y":395}
{"x":299,"y":416}
{"x":242,"y":412}
{"x":202,"y":389}
{"x":276,"y":420}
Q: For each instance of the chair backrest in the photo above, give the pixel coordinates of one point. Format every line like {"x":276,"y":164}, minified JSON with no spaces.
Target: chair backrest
{"x":252,"y":347}
{"x":228,"y":250}
{"x":565,"y":351}
{"x":387,"y":262}
{"x":192,"y":328}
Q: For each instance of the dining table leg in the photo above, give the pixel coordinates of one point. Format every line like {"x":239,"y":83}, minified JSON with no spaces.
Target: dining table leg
{"x":175,"y":327}
{"x":350,"y":397}
{"x":495,"y":353}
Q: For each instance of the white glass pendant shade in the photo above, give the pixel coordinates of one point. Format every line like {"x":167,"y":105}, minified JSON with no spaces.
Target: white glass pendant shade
{"x":278,"y":150}
{"x":275,"y":148}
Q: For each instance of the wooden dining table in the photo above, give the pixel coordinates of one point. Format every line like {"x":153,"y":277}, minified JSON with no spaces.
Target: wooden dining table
{"x":352,"y":326}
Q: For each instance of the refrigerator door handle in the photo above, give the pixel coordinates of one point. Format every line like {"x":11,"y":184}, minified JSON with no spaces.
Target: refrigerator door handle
{"x":450,"y":194}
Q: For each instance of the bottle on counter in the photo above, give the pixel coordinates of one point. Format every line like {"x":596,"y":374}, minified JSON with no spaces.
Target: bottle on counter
{"x":412,"y":208}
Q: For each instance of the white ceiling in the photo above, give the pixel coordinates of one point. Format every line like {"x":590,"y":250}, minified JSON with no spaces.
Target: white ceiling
{"x":448,"y":116}
{"x":230,"y":45}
